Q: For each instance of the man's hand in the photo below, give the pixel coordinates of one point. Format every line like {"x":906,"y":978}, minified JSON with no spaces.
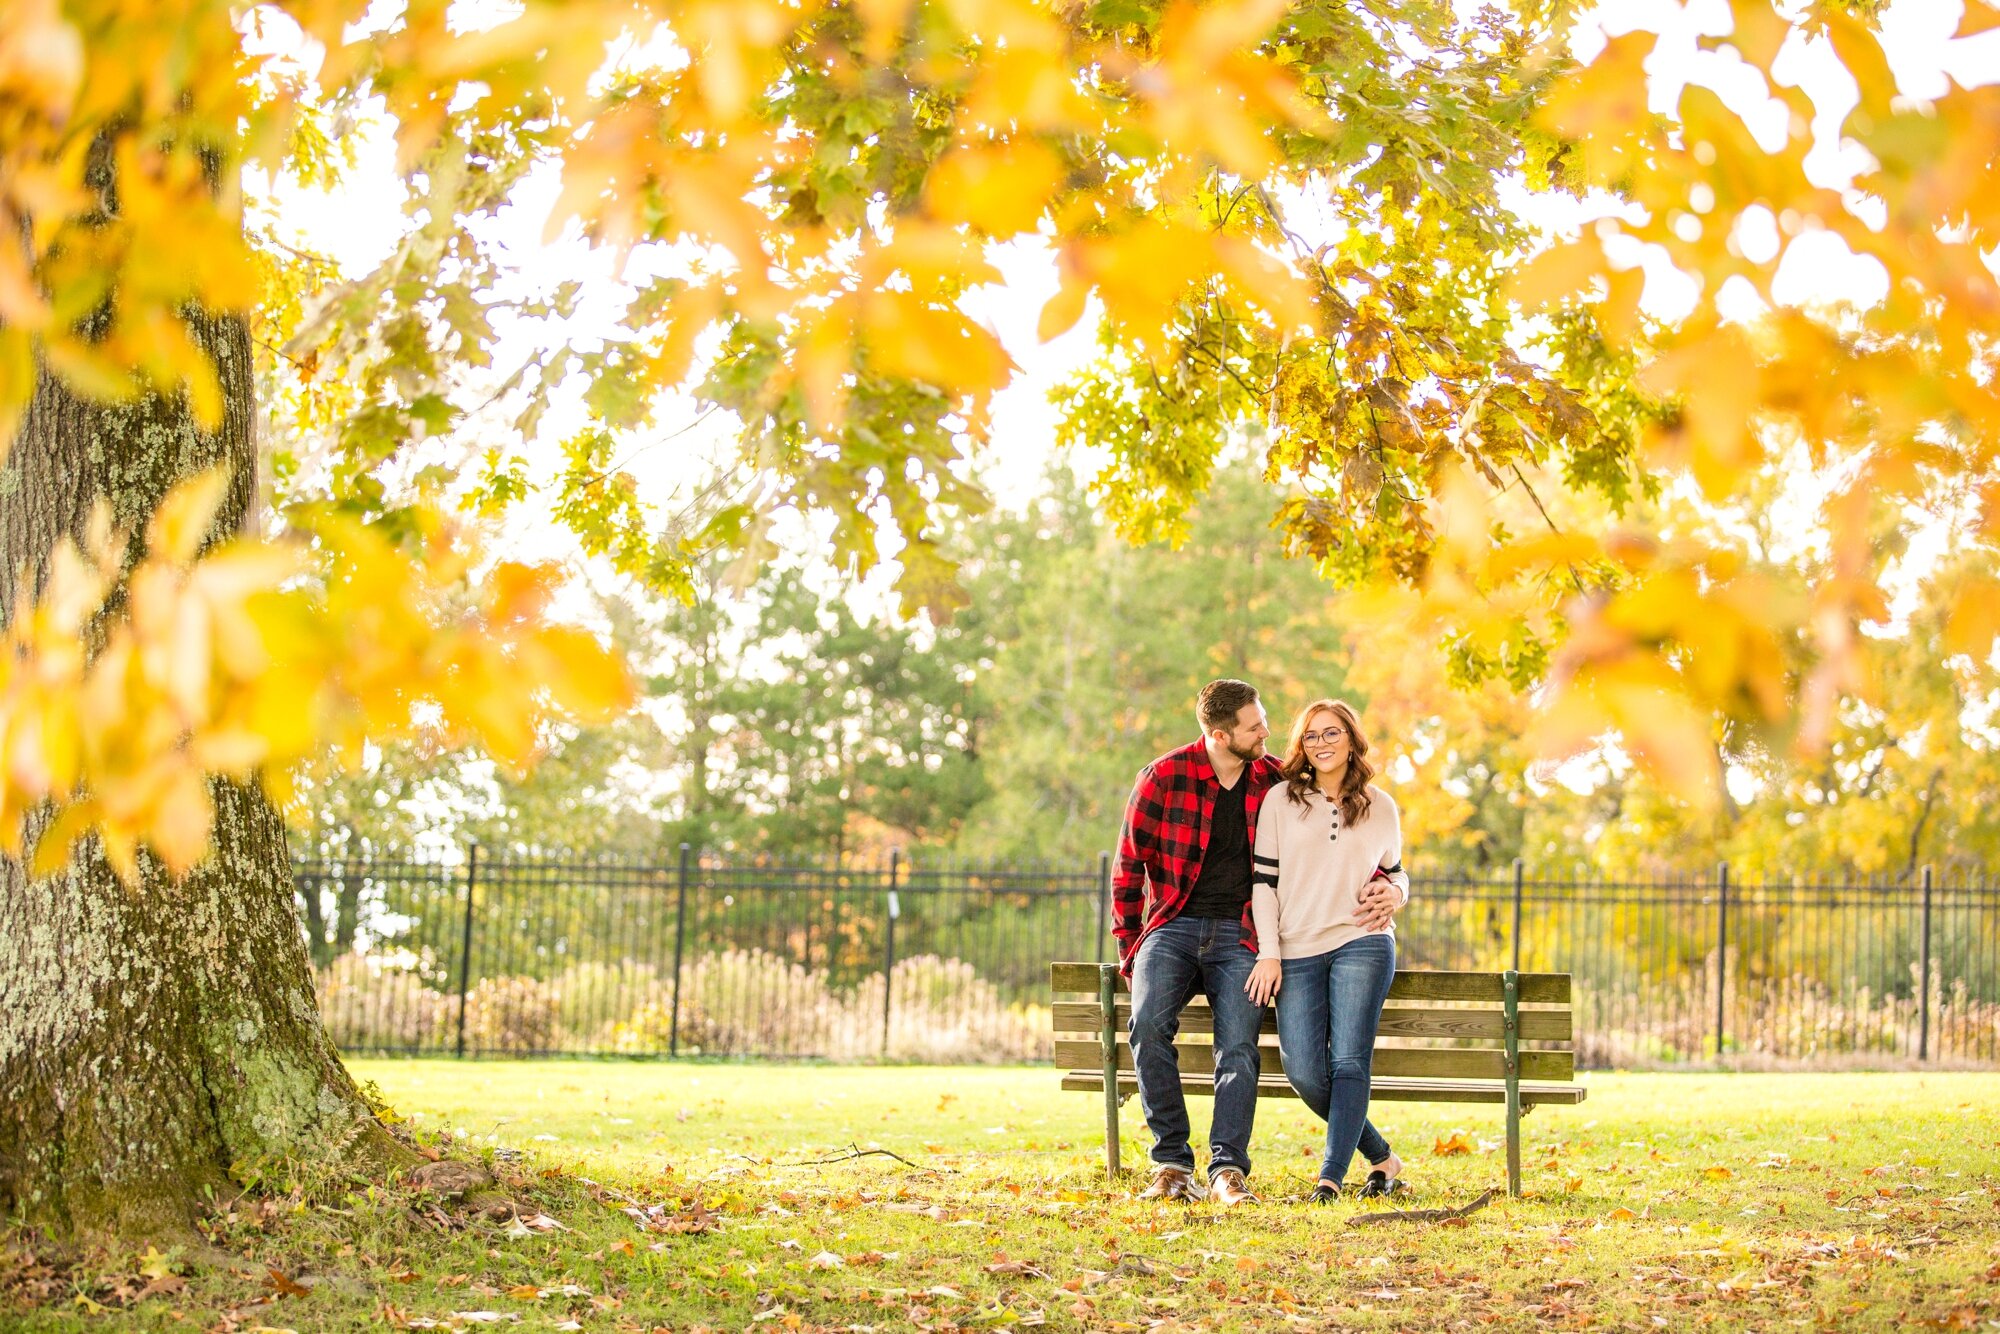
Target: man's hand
{"x":1379,"y":901}
{"x":1264,"y":980}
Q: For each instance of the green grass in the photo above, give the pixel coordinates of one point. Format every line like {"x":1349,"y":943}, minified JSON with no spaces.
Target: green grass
{"x":1846,"y":1201}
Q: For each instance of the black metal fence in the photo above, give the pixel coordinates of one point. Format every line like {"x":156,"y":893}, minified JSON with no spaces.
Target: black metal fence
{"x":950,"y":963}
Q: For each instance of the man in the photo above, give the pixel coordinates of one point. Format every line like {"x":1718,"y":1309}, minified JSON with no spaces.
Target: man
{"x":1181,"y":912}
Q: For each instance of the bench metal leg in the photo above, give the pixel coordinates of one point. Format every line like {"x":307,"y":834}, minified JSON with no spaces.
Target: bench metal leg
{"x":1511,"y":1020}
{"x":1107,"y":999}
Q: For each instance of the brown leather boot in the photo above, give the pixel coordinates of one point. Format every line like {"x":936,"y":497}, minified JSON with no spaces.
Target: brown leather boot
{"x":1228,"y":1187}
{"x":1171,"y":1183}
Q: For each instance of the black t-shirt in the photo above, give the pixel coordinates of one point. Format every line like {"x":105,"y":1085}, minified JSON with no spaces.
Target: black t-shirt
{"x":1223,"y":886}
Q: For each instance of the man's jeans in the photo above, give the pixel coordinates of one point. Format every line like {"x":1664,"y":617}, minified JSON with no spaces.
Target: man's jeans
{"x":1329,"y":1007}
{"x":1185,"y":956}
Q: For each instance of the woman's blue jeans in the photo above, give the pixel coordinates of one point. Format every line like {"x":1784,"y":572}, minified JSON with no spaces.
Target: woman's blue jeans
{"x":1329,"y":1007}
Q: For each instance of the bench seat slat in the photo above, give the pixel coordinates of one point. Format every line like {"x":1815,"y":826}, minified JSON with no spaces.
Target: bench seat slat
{"x":1398,"y":1021}
{"x":1381,"y":1089}
{"x":1536,"y":988}
{"x":1411,"y":1062}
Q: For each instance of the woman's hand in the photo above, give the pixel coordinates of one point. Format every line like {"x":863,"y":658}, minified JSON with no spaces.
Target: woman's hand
{"x":1264,"y":980}
{"x":1379,"y":901}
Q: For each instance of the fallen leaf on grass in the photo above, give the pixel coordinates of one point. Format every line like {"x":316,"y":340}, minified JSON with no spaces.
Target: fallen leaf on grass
{"x":695,"y":1220}
{"x":874,"y":1257}
{"x":1017,"y":1268}
{"x":1717,"y":1173}
{"x":1457,"y":1142}
{"x":1621,"y":1215}
{"x":282,"y":1284}
{"x":994,"y":1315}
{"x":826,"y":1260}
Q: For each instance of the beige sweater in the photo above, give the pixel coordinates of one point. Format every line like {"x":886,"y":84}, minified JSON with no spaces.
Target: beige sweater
{"x":1306,"y":887}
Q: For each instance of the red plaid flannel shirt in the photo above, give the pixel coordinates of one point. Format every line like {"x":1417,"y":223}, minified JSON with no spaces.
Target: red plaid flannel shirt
{"x":1165,"y":836}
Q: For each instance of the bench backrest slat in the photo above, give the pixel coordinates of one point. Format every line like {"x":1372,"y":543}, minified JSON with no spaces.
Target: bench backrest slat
{"x":1486,"y":1026}
{"x":1536,"y":988}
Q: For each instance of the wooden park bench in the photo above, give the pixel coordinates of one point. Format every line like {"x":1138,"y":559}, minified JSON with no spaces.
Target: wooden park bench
{"x":1445,"y":1037}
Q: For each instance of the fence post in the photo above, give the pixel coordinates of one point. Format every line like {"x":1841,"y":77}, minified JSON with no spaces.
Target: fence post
{"x":1924,"y":979}
{"x":680,"y":939}
{"x":1516,"y":964}
{"x":1103,"y":900}
{"x":1721,"y":953}
{"x":889,"y":948}
{"x":465,"y":939}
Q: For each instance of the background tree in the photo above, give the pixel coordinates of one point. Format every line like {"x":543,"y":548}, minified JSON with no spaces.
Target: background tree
{"x":1105,"y":644}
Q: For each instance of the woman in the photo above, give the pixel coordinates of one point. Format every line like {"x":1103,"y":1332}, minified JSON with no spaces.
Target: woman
{"x":1326,"y":883}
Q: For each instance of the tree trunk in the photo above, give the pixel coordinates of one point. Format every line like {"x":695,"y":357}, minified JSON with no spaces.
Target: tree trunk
{"x":154,"y":1039}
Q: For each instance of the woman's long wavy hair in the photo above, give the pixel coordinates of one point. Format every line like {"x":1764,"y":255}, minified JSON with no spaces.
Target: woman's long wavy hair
{"x":1300,"y":777}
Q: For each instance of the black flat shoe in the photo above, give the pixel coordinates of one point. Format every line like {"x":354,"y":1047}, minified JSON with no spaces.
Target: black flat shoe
{"x":1381,"y":1183}
{"x":1323,"y":1194}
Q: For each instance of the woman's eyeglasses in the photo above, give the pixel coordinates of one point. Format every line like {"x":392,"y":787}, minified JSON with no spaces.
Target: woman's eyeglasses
{"x":1329,"y":736}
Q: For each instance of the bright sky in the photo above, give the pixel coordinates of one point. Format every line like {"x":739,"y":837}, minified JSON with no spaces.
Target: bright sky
{"x":360,"y":224}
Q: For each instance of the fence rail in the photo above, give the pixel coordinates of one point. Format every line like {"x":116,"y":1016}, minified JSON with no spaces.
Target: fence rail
{"x":908,"y":961}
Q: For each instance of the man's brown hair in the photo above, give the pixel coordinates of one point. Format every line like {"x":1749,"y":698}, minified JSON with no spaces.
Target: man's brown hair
{"x":1220,"y":701}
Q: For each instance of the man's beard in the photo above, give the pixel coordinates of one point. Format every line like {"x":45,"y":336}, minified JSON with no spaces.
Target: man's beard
{"x":1247,"y":753}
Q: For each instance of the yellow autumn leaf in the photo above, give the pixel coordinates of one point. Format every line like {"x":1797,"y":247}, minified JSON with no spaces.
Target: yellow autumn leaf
{"x":1661,"y":727}
{"x":182,"y":519}
{"x":912,"y":340}
{"x":1974,"y":621}
{"x":181,"y":822}
{"x":1061,"y":312}
{"x":586,"y":680}
{"x":520,"y":591}
{"x":1720,"y":381}
{"x":1758,"y":31}
{"x":41,"y":57}
{"x":1001,"y":189}
{"x":1602,"y":105}
{"x":1557,"y":274}
{"x":52,"y":849}
{"x":1980,"y":16}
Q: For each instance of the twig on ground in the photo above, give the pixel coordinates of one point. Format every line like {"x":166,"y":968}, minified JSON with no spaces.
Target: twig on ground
{"x":856,"y":1151}
{"x":1422,"y":1215}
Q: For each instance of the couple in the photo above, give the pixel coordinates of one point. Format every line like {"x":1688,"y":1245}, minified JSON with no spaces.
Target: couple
{"x":1244,"y":877}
